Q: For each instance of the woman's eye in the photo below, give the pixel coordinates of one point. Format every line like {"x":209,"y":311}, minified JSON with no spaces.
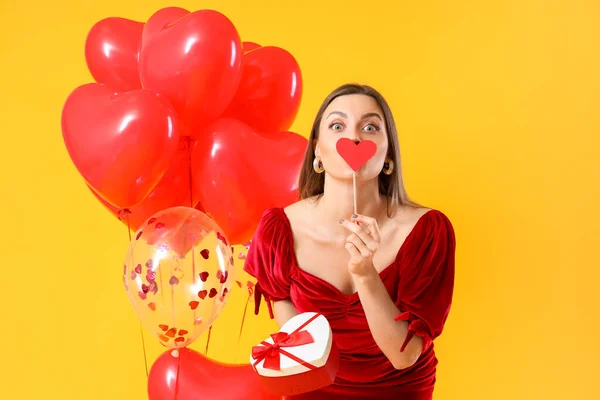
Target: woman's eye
{"x":371,"y":128}
{"x":336,"y":126}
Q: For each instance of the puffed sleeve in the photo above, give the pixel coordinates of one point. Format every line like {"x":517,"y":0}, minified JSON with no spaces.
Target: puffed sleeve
{"x":427,"y":279}
{"x":268,"y":259}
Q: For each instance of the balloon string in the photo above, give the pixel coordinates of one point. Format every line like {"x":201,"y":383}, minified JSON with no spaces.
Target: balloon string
{"x":144,"y":349}
{"x":177,"y":377}
{"x":207,"y":341}
{"x":242,"y":326}
{"x":189,"y":140}
{"x":127,"y":212}
{"x":189,"y":143}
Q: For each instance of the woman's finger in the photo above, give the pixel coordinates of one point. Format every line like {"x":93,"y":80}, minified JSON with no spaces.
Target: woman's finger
{"x":366,"y":238}
{"x":369,"y":224}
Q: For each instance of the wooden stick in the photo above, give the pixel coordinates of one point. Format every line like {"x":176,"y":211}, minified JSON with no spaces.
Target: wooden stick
{"x":354,"y":184}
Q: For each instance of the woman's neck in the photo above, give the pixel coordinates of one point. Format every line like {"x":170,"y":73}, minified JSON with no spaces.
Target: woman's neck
{"x":337,"y":201}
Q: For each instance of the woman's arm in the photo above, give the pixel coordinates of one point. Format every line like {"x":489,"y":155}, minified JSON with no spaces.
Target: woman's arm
{"x":284,"y":310}
{"x":379,"y":308}
{"x":380,"y":311}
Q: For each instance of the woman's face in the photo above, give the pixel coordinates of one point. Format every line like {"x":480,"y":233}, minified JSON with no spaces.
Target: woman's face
{"x":357,"y":117}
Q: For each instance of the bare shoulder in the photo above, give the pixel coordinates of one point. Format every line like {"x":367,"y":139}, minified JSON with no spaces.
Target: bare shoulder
{"x":407,"y":219}
{"x":409,"y":216}
{"x":299,"y":210}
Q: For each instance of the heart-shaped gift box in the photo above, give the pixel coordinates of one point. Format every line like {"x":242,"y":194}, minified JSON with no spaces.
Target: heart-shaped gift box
{"x":300,"y":358}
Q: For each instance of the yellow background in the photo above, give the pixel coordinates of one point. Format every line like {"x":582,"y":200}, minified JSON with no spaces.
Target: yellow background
{"x":497,"y":108}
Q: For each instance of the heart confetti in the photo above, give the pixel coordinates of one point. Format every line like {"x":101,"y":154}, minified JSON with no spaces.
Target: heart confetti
{"x":222,"y":277}
{"x":171,"y":332}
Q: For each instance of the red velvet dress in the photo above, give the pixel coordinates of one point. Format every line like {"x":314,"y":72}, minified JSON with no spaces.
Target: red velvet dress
{"x":420,"y":282}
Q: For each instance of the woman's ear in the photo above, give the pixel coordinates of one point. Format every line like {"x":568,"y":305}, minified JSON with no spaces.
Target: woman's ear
{"x":316,"y":147}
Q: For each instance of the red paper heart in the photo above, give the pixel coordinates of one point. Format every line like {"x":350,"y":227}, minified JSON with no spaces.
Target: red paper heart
{"x":205,"y":253}
{"x":356,"y":154}
{"x":202,"y":294}
{"x":199,"y":377}
{"x":260,"y":171}
{"x":213,"y":292}
{"x":204,"y":276}
{"x":111,"y":51}
{"x":120,"y":143}
{"x":194,"y":59}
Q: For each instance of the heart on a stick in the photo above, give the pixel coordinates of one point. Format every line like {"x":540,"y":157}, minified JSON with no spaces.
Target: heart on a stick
{"x":356,"y":154}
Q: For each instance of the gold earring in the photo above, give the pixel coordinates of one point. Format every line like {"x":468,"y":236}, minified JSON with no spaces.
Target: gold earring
{"x":318,"y":165}
{"x":388,"y":166}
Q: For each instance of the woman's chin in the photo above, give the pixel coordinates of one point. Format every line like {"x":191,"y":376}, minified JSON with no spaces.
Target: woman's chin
{"x":362,"y":175}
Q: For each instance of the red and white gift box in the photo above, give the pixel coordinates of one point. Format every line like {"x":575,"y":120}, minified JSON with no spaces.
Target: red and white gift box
{"x":300,"y":358}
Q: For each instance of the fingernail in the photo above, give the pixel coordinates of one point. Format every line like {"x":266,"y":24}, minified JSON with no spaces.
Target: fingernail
{"x":354,"y":215}
{"x":341,"y":221}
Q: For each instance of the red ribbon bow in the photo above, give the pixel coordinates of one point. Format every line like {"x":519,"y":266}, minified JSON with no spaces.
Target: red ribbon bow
{"x":416,"y":327}
{"x":271,"y":353}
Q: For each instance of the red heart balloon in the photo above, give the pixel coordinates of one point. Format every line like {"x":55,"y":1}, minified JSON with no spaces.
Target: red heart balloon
{"x":356,"y":154}
{"x":172,"y":190}
{"x":121,"y":144}
{"x":270,"y":91}
{"x":111,"y":51}
{"x":194,"y":59}
{"x":240,"y":173}
{"x":192,"y":376}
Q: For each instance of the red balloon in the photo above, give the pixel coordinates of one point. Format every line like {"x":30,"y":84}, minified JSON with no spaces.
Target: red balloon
{"x":194,"y":59}
{"x":240,"y":173}
{"x":111,"y":51}
{"x":270,"y":91}
{"x":121,"y":144}
{"x":171,"y":191}
{"x":249,"y":46}
{"x":198,"y":377}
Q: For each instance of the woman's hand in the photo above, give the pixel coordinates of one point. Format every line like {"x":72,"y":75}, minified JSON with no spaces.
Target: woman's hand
{"x":362,"y":244}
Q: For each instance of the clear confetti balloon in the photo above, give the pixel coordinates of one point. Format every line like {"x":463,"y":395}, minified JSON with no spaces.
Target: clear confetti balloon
{"x":178,"y":274}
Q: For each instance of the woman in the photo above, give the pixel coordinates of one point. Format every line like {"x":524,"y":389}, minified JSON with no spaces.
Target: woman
{"x":383,"y":279}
